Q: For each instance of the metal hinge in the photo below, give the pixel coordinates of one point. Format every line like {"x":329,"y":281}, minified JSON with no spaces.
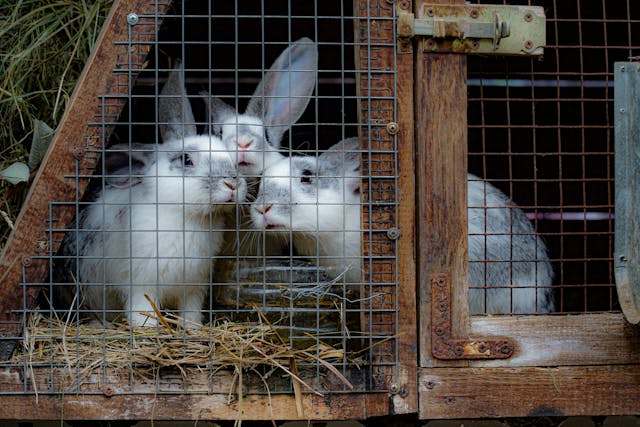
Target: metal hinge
{"x":484,"y":29}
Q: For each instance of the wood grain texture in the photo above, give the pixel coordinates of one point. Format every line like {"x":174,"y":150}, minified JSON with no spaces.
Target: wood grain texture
{"x":441,"y":167}
{"x":588,"y":339}
{"x":518,"y":392}
{"x":406,"y":402}
{"x":193,"y":394}
{"x":70,"y":155}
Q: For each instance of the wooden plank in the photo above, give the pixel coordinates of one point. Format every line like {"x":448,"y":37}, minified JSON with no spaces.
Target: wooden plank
{"x":517,"y":392}
{"x":627,"y":235}
{"x":441,"y":168}
{"x":385,"y":98}
{"x":406,"y":401}
{"x":107,"y":71}
{"x":586,"y":339}
{"x":184,"y":407}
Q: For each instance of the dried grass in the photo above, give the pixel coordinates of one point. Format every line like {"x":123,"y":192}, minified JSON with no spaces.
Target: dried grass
{"x":82,"y":349}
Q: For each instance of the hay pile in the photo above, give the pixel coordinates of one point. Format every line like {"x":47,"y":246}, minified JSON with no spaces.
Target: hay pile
{"x":82,"y":349}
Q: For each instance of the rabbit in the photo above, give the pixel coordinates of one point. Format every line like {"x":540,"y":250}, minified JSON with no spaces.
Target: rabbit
{"x":158,"y":220}
{"x":317,"y":202}
{"x":254,"y":137}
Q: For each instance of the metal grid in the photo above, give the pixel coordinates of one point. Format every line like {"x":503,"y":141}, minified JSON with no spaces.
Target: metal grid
{"x":226,"y":49}
{"x":542,"y":132}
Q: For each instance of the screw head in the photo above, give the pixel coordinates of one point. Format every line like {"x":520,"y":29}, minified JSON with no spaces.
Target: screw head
{"x":528,"y":45}
{"x":393,"y":233}
{"x":474,"y":13}
{"x":528,"y":17}
{"x":108,"y":391}
{"x":393,"y":128}
{"x":431,"y":11}
{"x":132,"y":19}
{"x":394,"y":388}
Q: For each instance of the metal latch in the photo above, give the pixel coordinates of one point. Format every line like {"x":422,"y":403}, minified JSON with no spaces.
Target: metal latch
{"x":485,"y":29}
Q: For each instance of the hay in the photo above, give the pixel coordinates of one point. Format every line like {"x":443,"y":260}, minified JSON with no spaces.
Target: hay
{"x":81,"y":349}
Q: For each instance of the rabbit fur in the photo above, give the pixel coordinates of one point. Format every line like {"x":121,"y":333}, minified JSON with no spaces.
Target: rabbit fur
{"x":317,"y":202}
{"x":159,"y":219}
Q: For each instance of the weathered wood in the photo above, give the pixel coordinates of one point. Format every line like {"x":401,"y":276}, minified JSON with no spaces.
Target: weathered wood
{"x":386,"y":98}
{"x":108,"y":71}
{"x":517,"y":392}
{"x":627,"y":235}
{"x":187,"y":407}
{"x":588,"y":339}
{"x":174,"y":394}
{"x":441,"y":167}
{"x":406,"y":401}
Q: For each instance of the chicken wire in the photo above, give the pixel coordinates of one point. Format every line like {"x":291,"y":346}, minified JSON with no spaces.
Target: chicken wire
{"x":542,"y":131}
{"x":225,"y":49}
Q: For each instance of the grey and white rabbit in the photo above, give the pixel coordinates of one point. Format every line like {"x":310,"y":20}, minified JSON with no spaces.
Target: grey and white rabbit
{"x":254,"y":137}
{"x":157,"y":223}
{"x":317,"y":201}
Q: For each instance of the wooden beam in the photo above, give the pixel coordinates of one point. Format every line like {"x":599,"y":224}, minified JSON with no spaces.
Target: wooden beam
{"x":532,"y":392}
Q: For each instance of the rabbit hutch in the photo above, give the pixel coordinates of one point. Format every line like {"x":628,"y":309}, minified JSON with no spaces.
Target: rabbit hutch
{"x":449,"y":242}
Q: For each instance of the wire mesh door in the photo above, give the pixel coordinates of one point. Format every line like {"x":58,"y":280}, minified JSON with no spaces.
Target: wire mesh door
{"x":541,"y":133}
{"x":239,"y":232}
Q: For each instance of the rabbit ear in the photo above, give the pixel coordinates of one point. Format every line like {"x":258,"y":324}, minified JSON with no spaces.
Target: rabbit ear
{"x":124,"y":163}
{"x":174,"y":111}
{"x":283,"y":94}
{"x":217,"y":111}
{"x":343,"y":160}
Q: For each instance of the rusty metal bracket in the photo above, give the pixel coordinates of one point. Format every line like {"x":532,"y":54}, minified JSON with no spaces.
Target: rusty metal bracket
{"x":443,"y":346}
{"x":482,"y":29}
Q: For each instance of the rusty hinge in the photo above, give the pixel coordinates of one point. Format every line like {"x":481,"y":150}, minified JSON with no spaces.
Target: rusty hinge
{"x":443,"y":345}
{"x":485,"y":29}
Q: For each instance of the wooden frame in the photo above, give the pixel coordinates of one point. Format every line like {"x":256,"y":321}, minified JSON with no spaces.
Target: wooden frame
{"x":374,"y":26}
{"x":562,"y":365}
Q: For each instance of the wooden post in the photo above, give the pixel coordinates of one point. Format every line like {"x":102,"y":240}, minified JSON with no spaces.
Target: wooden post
{"x":441,"y":174}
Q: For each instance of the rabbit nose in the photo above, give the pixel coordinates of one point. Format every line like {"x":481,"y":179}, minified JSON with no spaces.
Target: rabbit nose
{"x":231,"y":184}
{"x":244,"y":143}
{"x":264,"y":209}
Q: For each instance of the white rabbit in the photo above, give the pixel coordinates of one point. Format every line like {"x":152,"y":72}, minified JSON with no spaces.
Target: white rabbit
{"x":157,"y":223}
{"x":317,"y":202}
{"x":255,"y":136}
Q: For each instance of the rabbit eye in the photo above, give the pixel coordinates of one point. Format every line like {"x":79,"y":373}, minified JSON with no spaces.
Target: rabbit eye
{"x":187,"y":161}
{"x":306,"y":176}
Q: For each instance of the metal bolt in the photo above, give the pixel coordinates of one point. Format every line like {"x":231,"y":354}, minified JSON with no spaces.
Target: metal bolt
{"x":623,"y":258}
{"x":393,"y":233}
{"x":528,"y":16}
{"x":394,"y":388}
{"x":404,"y":4}
{"x":474,"y":13}
{"x":528,"y":45}
{"x":450,"y":400}
{"x":393,"y":128}
{"x":431,"y":11}
{"x":475,"y":45}
{"x":623,"y":68}
{"x":108,"y":391}
{"x":622,"y":110}
{"x":430,"y":385}
{"x":26,"y":261}
{"x":430,"y":43}
{"x":132,"y":19}
{"x":78,"y":152}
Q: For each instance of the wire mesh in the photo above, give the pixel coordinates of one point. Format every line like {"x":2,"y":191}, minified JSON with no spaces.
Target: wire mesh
{"x":312,"y":296}
{"x":542,"y":132}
